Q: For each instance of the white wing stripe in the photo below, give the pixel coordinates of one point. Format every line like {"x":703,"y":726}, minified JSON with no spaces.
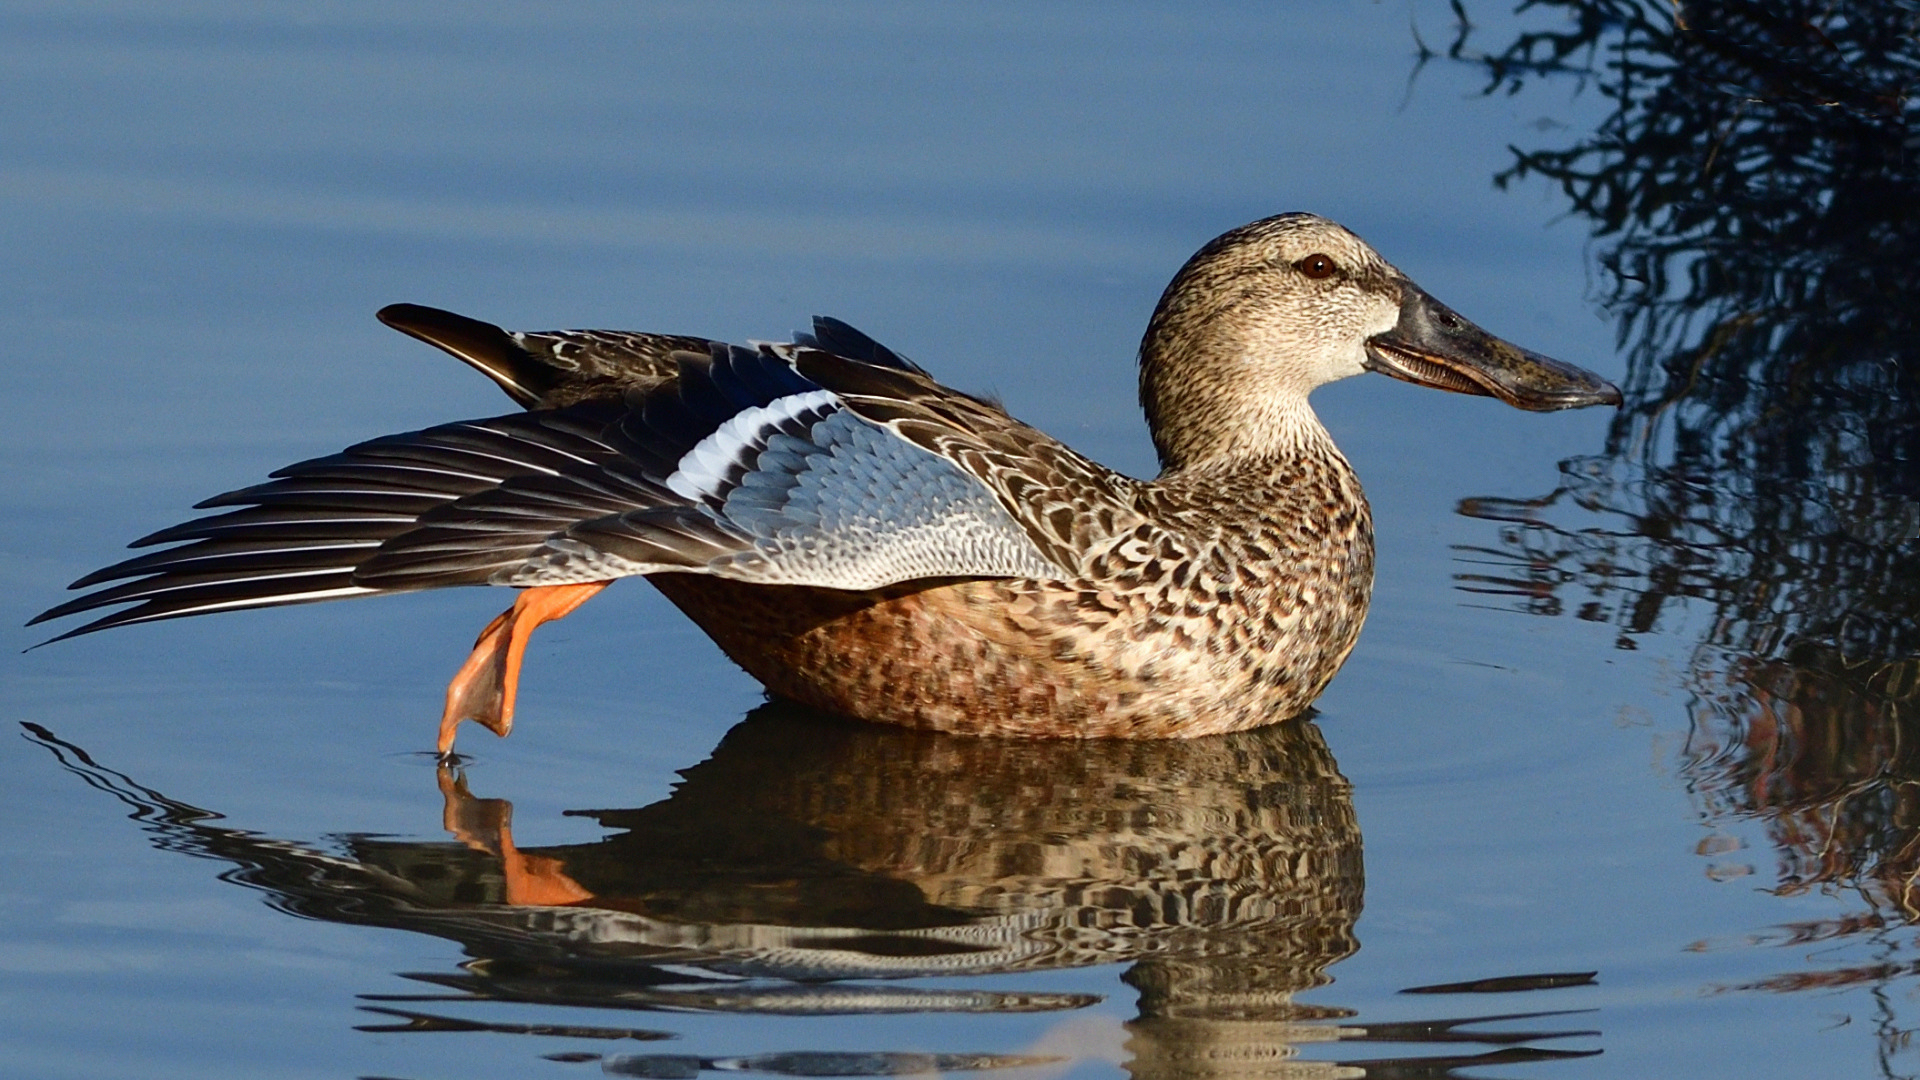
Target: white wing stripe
{"x":188,"y":556}
{"x":702,"y":471}
{"x":256,"y":601}
{"x":160,"y":588}
{"x":387,"y":465}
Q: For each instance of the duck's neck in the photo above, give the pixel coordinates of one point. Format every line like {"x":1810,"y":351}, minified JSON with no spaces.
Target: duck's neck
{"x":1211,"y":407}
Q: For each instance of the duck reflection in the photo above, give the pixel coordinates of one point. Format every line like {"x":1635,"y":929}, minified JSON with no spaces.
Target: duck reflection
{"x":806,"y":848}
{"x":1754,"y":194}
{"x":813,"y":866}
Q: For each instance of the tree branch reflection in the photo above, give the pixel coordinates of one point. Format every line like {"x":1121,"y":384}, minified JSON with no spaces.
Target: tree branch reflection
{"x":1754,"y":191}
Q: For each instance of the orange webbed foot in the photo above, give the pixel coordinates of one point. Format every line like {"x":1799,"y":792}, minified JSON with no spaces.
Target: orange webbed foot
{"x":484,"y":688}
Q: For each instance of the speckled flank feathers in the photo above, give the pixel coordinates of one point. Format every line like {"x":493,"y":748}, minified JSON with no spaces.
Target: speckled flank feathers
{"x":1190,"y":623}
{"x":862,"y":539}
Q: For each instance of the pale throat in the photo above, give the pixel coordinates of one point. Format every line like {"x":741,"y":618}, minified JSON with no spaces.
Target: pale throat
{"x":1238,"y":399}
{"x":1276,"y":426}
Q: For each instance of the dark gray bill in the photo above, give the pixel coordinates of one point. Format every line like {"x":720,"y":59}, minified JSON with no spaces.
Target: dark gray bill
{"x":1433,"y":346}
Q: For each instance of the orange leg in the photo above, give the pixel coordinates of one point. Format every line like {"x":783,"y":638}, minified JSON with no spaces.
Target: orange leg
{"x":484,"y":688}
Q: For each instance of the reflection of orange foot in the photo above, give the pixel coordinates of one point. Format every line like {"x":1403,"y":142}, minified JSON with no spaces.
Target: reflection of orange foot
{"x":484,"y":688}
{"x":487,"y":825}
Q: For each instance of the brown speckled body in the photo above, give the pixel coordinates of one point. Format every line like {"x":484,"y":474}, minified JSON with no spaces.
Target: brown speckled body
{"x":1152,"y":643}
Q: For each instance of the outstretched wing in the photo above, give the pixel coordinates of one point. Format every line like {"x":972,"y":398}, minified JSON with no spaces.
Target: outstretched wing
{"x":830,"y":462}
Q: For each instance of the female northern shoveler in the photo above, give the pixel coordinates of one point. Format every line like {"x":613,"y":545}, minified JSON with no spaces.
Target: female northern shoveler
{"x":862,"y":539}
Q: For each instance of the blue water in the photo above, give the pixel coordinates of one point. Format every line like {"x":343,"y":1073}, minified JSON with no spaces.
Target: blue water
{"x":202,"y":204}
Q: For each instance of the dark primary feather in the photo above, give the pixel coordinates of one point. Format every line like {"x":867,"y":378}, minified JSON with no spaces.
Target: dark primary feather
{"x":306,"y":534}
{"x":445,"y":506}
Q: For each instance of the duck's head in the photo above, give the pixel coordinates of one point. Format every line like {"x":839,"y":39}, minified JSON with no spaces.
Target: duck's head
{"x":1266,"y":313}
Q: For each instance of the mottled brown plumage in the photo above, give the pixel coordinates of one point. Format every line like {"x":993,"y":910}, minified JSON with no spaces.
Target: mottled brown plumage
{"x":862,"y":539}
{"x":1189,"y":624}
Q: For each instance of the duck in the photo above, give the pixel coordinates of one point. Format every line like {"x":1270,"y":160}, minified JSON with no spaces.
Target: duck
{"x":866,"y":541}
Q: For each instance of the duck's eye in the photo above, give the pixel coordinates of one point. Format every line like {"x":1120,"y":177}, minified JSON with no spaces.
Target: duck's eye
{"x":1316,"y":266}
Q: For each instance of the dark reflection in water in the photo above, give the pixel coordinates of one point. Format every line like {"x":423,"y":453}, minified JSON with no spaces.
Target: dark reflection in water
{"x":1754,"y":195}
{"x":813,"y":867}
